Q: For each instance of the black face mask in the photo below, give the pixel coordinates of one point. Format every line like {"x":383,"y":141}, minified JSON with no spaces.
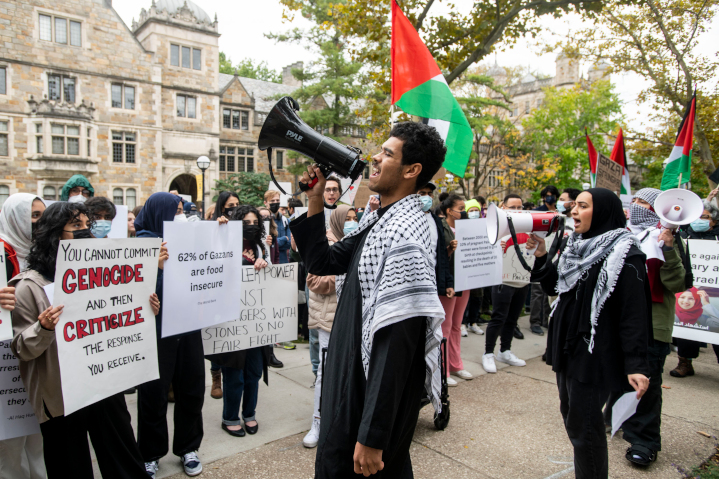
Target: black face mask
{"x":550,"y":200}
{"x":250,"y":232}
{"x":82,"y":234}
{"x":463,"y":215}
{"x":274,"y":207}
{"x":229,"y":212}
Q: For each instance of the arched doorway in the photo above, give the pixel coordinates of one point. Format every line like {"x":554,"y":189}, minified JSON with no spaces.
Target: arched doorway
{"x":185,"y":185}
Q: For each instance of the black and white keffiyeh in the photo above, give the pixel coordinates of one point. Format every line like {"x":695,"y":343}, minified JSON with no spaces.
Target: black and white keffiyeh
{"x":581,"y":254}
{"x":397,"y":279}
{"x":641,"y":218}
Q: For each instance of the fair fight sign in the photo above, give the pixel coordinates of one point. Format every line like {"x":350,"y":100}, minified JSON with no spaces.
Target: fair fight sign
{"x":5,"y":323}
{"x":267,"y":311}
{"x":477,"y":262}
{"x":203,"y":276}
{"x":17,"y":417}
{"x":106,"y":335}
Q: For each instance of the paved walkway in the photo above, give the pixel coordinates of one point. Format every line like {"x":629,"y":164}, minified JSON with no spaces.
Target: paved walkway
{"x":504,"y":425}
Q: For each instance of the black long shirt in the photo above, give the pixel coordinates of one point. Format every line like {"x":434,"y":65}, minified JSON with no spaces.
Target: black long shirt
{"x":380,"y":411}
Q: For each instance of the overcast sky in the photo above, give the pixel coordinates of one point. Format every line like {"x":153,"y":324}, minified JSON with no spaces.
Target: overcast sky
{"x":242,"y":24}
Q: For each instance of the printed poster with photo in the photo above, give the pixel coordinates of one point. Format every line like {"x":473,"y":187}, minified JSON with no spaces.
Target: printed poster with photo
{"x":697,"y":309}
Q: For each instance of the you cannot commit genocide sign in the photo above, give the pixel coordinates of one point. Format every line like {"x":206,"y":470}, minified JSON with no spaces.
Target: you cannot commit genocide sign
{"x":106,"y":336}
{"x":609,"y":173}
{"x":267,"y":311}
{"x":477,"y":263}
{"x":202,"y":279}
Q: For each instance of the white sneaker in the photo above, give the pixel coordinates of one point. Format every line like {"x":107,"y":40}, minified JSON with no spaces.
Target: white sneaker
{"x":488,"y":363}
{"x":191,"y":463}
{"x":476,"y":329}
{"x":151,"y":468}
{"x":451,"y":382}
{"x":312,"y":437}
{"x":464,"y":374}
{"x":509,"y":358}
{"x":464,"y":331}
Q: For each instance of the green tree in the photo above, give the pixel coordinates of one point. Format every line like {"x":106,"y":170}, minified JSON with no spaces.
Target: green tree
{"x":554,"y":134}
{"x":250,"y":187}
{"x":248,"y":68}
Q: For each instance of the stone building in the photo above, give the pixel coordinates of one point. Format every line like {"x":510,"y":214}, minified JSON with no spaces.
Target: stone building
{"x":130,"y":108}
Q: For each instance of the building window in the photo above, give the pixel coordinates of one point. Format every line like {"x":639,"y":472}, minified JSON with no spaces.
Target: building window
{"x":123,"y":96}
{"x":186,"y":106}
{"x":233,"y":160}
{"x":260,"y":118}
{"x":61,"y":88}
{"x":49,"y":193}
{"x":57,"y":28}
{"x":515,"y":112}
{"x":4,"y":143}
{"x":131,"y":198}
{"x":186,"y":57}
{"x":539,"y":102}
{"x":65,"y":139}
{"x":493,"y":179}
{"x":236,"y":119}
{"x":366,"y":172}
{"x":3,"y":81}
{"x":196,"y":59}
{"x":175,"y":55}
{"x":38,"y":138}
{"x":526,"y":107}
{"x":117,"y":196}
{"x":4,"y":194}
{"x":124,"y":145}
{"x":280,"y":160}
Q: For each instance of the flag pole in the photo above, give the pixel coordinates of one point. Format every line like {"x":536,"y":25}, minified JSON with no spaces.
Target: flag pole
{"x":680,"y":180}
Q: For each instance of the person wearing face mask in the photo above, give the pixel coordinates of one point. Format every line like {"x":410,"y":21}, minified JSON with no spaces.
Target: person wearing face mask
{"x":18,"y":220}
{"x":322,"y":305}
{"x":550,"y":195}
{"x":455,"y":305}
{"x":705,"y":228}
{"x":77,"y":190}
{"x":191,"y":212}
{"x":471,"y":316}
{"x":34,"y":320}
{"x":566,"y":201}
{"x":102,"y":212}
{"x":181,"y":362}
{"x":601,"y":322}
{"x":284,"y":243}
{"x":242,"y":370}
{"x":227,"y":203}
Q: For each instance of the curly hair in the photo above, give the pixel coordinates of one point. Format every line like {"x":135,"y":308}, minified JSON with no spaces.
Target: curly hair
{"x":240,"y":214}
{"x":46,"y":239}
{"x":423,"y":145}
{"x":98,"y":204}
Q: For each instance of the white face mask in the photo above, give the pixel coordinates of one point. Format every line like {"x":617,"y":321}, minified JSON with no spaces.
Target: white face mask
{"x":181,"y":218}
{"x":473,"y":215}
{"x":77,"y":199}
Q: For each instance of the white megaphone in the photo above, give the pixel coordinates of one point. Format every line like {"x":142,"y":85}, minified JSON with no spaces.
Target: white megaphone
{"x":523,"y":222}
{"x":677,"y":207}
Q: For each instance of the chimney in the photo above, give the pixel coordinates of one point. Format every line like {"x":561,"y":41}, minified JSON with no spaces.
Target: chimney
{"x":288,"y":79}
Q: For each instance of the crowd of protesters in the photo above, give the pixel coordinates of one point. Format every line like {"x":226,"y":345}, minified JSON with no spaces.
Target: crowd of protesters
{"x":607,"y":311}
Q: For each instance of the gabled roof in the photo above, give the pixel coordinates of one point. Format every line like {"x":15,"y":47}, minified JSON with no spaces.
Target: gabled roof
{"x":263,"y":91}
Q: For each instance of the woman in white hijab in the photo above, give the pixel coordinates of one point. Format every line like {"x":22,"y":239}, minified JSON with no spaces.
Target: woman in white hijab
{"x":17,"y":217}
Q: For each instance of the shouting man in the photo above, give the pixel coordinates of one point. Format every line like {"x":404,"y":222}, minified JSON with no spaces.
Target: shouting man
{"x":384,"y":348}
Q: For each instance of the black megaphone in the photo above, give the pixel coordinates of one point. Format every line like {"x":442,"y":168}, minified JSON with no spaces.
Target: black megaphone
{"x":283,"y":128}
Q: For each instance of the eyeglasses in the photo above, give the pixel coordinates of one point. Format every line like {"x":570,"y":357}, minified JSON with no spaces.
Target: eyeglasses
{"x":706,"y":217}
{"x":332,"y":190}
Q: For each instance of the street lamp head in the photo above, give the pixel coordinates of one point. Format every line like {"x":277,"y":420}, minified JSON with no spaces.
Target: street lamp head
{"x":203,"y":163}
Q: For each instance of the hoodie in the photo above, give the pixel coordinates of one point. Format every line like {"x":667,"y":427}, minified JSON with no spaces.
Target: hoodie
{"x":74,"y":182}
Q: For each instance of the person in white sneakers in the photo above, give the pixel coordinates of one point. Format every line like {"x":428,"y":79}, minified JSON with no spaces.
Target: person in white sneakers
{"x":322,"y":305}
{"x":507,"y":304}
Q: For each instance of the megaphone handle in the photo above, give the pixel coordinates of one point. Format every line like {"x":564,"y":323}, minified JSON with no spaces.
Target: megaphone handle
{"x":520,"y":256}
{"x":272,"y":174}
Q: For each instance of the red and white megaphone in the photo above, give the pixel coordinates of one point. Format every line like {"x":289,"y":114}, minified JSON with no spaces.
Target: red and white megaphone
{"x":677,"y":207}
{"x":538,"y":223}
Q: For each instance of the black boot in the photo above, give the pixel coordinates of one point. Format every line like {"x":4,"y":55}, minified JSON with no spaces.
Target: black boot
{"x":274,"y":362}
{"x":517,"y":333}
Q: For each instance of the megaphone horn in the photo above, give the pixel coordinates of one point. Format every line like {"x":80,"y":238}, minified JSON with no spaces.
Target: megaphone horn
{"x":677,"y":207}
{"x":523,"y":222}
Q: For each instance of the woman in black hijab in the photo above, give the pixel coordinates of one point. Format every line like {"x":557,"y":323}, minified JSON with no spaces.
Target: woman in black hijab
{"x":600,"y":324}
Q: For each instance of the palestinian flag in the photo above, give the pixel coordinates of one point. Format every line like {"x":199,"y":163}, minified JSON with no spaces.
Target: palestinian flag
{"x":419,"y":88}
{"x":592,"y":160}
{"x":619,"y":155}
{"x":678,"y":167}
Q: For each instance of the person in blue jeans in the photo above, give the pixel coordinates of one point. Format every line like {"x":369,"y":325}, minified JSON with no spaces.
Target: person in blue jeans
{"x":242,"y":370}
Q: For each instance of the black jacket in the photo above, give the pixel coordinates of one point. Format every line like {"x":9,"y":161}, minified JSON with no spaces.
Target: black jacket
{"x":443,"y":268}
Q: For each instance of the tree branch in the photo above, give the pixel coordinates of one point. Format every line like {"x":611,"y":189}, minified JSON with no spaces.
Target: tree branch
{"x":423,"y":15}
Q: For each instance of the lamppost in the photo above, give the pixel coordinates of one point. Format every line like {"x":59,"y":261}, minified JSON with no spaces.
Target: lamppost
{"x":203,"y":163}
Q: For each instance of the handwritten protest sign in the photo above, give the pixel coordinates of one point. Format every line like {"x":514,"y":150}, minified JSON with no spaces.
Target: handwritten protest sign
{"x":697,"y":310}
{"x":17,"y":417}
{"x":106,"y":337}
{"x":266,"y":312}
{"x":512,"y":269}
{"x":477,"y":263}
{"x":203,"y":275}
{"x":609,"y":173}
{"x":5,"y":324}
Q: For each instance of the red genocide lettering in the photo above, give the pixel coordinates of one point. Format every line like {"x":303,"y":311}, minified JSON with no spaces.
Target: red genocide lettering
{"x":100,"y":277}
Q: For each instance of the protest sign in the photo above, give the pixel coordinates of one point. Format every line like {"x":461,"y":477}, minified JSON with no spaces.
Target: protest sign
{"x":609,"y":174}
{"x":512,"y":269}
{"x":106,"y":337}
{"x":697,"y":310}
{"x":5,"y":323}
{"x":203,"y":275}
{"x":266,"y":312}
{"x":350,"y":189}
{"x":477,"y":263}
{"x":626,"y":201}
{"x":267,"y":232}
{"x":17,"y":417}
{"x":119,"y":223}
